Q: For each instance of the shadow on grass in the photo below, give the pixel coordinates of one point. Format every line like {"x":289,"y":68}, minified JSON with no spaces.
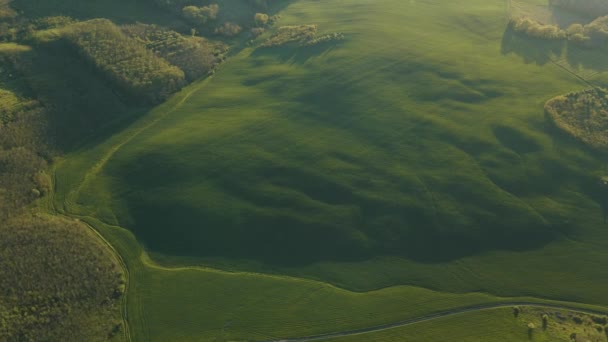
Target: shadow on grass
{"x":81,"y":107}
{"x":595,"y":59}
{"x":532,"y":50}
{"x":278,"y":229}
{"x":591,"y":182}
{"x":542,"y":51}
{"x":564,"y":18}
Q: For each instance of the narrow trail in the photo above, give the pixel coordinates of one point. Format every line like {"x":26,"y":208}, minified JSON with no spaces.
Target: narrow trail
{"x":436,"y":316}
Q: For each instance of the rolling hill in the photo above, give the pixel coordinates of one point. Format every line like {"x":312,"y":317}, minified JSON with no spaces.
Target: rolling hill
{"x":403,"y":170}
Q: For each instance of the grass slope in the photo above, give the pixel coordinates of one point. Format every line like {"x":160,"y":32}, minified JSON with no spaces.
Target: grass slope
{"x":203,"y":304}
{"x":491,"y":325}
{"x":424,"y":134}
{"x":313,"y":160}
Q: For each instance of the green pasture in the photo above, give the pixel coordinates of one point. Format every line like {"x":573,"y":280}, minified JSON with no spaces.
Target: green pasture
{"x":490,"y":325}
{"x":204,"y":304}
{"x":413,"y":153}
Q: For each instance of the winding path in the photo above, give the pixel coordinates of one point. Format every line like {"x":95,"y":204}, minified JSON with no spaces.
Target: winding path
{"x":438,"y":315}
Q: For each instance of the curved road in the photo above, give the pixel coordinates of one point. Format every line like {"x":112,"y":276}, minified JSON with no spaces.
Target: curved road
{"x":437,"y":316}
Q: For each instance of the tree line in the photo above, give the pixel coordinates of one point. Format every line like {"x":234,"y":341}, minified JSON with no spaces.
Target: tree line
{"x":592,"y":35}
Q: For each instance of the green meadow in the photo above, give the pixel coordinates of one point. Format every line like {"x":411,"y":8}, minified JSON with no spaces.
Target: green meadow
{"x":491,"y":325}
{"x":405,"y":170}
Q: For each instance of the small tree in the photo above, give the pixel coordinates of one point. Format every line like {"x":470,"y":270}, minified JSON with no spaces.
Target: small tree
{"x":261,"y":19}
{"x":531,"y":327}
{"x":516,"y":311}
{"x":545,"y":318}
{"x":200,"y":15}
{"x":228,"y":29}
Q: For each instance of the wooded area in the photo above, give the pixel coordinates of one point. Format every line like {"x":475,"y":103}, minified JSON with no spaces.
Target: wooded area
{"x":125,"y":61}
{"x":583,"y":115}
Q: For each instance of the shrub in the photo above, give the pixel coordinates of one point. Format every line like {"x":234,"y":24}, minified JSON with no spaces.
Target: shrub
{"x":287,"y":34}
{"x":531,"y":327}
{"x":331,"y":37}
{"x":257,"y":31}
{"x":261,"y":19}
{"x":575,"y":29}
{"x":592,"y":35}
{"x":536,"y":29}
{"x":597,"y":31}
{"x":603,"y":320}
{"x":516,"y":311}
{"x":200,"y":15}
{"x":228,"y":29}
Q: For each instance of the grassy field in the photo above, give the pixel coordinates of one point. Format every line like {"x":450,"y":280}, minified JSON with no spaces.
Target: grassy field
{"x":204,"y":304}
{"x":414,"y":152}
{"x":492,"y":325}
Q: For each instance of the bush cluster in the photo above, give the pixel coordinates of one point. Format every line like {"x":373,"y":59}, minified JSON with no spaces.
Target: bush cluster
{"x":195,"y":56}
{"x":125,"y":61}
{"x":228,"y":29}
{"x":200,"y":15}
{"x":261,"y":19}
{"x":536,"y":29}
{"x":301,"y":34}
{"x":326,"y":38}
{"x":592,"y":35}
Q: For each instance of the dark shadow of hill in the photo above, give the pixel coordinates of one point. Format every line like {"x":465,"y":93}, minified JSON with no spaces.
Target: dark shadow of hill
{"x":532,"y":50}
{"x":119,"y":11}
{"x":279,"y":231}
{"x":81,"y":107}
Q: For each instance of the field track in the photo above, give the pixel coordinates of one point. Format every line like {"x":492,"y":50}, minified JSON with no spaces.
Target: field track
{"x":436,"y":316}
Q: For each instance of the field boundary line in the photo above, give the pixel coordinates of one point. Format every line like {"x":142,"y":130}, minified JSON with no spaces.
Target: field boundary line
{"x":439,"y":315}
